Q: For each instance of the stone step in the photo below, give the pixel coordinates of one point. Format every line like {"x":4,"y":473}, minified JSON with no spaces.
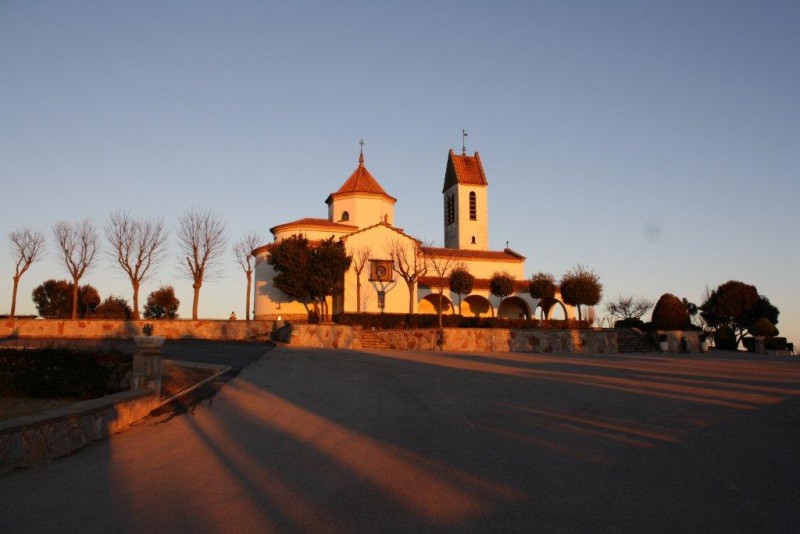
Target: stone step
{"x":369,"y":340}
{"x":630,"y":341}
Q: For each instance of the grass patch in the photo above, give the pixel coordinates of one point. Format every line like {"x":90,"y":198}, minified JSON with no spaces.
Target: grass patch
{"x":176,"y":378}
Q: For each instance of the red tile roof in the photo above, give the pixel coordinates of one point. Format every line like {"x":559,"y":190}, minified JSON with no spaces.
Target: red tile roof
{"x":465,"y":170}
{"x":382,"y":223}
{"x":316,"y":224}
{"x":496,"y":255}
{"x":361,"y":181}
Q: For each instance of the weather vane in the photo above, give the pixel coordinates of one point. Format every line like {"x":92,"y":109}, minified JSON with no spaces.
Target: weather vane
{"x":464,"y":135}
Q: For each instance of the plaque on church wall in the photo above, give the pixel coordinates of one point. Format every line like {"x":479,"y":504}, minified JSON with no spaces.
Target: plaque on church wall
{"x":380,"y":271}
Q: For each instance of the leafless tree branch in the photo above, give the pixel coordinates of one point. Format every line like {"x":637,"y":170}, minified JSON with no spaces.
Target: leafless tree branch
{"x":137,"y":245}
{"x":243,"y":250}
{"x":361,"y":257}
{"x":442,"y":265}
{"x":628,"y":307}
{"x":201,"y":239}
{"x":27,"y":247}
{"x":79,"y":244}
{"x":409,"y":263}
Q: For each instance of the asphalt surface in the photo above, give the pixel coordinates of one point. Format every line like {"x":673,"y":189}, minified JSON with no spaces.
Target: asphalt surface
{"x":342,"y":441}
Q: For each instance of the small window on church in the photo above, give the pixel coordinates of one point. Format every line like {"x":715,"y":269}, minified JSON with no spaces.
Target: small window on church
{"x":345,"y":216}
{"x":473,"y":206}
{"x":473,"y":240}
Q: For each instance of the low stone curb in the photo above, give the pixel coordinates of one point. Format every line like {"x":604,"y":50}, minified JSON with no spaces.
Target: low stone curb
{"x":221,"y":370}
{"x":40,"y":438}
{"x":37,"y":439}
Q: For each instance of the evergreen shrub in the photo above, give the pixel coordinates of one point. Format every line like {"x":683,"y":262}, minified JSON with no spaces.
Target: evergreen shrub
{"x":670,"y":313}
{"x":61,"y":373}
{"x":763,"y":327}
{"x":725,"y":338}
{"x":630,"y":323}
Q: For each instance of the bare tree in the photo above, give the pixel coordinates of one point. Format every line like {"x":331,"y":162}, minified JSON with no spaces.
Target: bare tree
{"x":201,"y":238}
{"x":137,"y":245}
{"x":409,"y":263}
{"x":628,"y":307}
{"x":79,"y":244}
{"x":361,"y":257}
{"x":243,"y":249}
{"x":27,"y":247}
{"x":442,"y":264}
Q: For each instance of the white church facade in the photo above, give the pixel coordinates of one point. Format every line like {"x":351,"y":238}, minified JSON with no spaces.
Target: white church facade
{"x":361,"y":215}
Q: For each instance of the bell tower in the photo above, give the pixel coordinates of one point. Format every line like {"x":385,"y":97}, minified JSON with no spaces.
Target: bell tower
{"x":465,"y":197}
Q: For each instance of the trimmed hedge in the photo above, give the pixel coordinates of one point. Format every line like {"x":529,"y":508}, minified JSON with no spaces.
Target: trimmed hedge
{"x":61,"y":373}
{"x":770,"y":343}
{"x":670,"y":313}
{"x":397,"y":321}
{"x":630,"y":323}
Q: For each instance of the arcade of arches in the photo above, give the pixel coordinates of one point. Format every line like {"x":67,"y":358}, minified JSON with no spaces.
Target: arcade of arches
{"x":511,"y":307}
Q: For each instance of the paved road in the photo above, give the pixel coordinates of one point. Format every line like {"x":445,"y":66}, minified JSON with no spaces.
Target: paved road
{"x":315,"y":440}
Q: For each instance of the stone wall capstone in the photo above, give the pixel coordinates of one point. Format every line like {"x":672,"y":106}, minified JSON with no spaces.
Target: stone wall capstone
{"x":115,"y":329}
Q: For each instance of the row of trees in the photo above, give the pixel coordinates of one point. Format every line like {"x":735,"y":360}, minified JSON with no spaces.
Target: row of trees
{"x":137,"y":246}
{"x":53,"y":299}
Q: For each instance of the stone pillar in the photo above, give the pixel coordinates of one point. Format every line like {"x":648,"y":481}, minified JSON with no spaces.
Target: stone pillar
{"x":147,"y":363}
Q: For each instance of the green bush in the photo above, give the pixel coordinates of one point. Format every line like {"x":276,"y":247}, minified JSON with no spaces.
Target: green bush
{"x":630,"y":323}
{"x":770,"y":343}
{"x":670,"y":313}
{"x":725,"y":338}
{"x":61,"y":373}
{"x":763,"y":327}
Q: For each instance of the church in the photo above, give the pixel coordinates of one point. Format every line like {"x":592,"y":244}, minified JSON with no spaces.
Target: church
{"x":393,"y":272}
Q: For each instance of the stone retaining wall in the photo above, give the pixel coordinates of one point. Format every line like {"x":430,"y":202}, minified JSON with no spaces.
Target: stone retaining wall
{"x":465,"y":339}
{"x":544,"y":341}
{"x":326,"y":336}
{"x":674,"y":340}
{"x":38,"y":439}
{"x":114,"y":329}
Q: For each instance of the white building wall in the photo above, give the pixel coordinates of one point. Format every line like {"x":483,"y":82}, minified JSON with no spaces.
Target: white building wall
{"x":378,"y":240}
{"x":364,"y":210}
{"x":469,"y":229}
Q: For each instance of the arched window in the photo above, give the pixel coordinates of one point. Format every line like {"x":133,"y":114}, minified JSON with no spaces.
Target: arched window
{"x":345,"y":216}
{"x":450,"y":217}
{"x":473,"y":206}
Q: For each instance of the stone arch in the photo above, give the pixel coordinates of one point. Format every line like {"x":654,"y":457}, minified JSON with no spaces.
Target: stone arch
{"x":476,"y":306}
{"x":514,"y":308}
{"x":430,"y":304}
{"x":557,"y":311}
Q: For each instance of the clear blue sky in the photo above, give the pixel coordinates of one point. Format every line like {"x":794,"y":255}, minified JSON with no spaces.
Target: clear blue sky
{"x":657,"y":143}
